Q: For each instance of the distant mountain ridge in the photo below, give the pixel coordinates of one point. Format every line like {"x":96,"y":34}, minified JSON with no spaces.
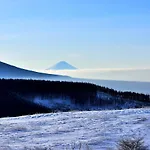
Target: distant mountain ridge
{"x":9,"y":71}
{"x":62,"y":65}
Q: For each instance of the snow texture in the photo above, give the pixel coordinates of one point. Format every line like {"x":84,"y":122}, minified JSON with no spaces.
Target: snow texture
{"x":101,"y":130}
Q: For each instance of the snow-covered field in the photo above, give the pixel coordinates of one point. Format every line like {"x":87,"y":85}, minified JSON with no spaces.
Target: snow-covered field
{"x":99,"y":129}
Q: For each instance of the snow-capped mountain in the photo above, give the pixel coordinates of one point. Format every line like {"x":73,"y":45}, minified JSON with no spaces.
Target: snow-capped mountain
{"x":9,"y":71}
{"x":62,"y":65}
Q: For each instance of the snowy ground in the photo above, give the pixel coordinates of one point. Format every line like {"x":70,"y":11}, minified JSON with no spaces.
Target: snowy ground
{"x":99,"y":129}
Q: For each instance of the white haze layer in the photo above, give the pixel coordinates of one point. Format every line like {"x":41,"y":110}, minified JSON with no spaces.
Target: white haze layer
{"x":124,"y":74}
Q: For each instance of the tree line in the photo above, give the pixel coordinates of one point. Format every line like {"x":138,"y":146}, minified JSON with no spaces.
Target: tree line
{"x":14,"y":94}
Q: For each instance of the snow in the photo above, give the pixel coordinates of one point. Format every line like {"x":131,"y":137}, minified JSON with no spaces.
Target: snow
{"x":55,"y":103}
{"x":101,"y":130}
{"x":104,"y":96}
{"x":108,"y":102}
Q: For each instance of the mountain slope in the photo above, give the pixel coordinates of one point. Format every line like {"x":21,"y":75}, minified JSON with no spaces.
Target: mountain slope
{"x":101,"y":130}
{"x":63,"y":96}
{"x":9,"y":71}
{"x":62,"y":65}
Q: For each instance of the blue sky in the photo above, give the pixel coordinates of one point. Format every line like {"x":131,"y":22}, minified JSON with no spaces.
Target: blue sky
{"x":36,"y":34}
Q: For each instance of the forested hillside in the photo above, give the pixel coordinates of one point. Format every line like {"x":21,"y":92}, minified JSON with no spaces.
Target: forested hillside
{"x":20,"y":97}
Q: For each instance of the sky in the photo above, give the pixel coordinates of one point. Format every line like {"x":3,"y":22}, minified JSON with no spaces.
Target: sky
{"x":36,"y":34}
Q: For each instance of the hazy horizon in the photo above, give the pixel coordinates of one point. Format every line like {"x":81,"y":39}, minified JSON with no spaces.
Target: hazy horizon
{"x":90,"y":35}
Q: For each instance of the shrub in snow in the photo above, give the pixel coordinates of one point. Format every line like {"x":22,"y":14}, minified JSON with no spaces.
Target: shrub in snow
{"x":132,"y":144}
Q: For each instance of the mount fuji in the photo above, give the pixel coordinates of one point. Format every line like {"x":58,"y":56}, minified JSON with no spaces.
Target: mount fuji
{"x":62,"y":65}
